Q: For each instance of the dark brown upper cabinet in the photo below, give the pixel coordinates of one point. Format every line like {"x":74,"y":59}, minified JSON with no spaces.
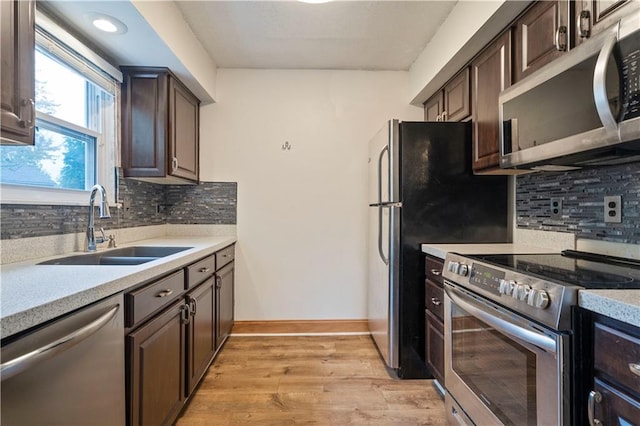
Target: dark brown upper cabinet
{"x":18,"y":111}
{"x":593,"y":16}
{"x":160,"y":127}
{"x":541,"y":35}
{"x":490,"y":75}
{"x":434,"y":106}
{"x":452,"y":103}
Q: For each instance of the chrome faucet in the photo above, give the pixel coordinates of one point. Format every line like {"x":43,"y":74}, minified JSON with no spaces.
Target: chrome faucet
{"x":90,"y":242}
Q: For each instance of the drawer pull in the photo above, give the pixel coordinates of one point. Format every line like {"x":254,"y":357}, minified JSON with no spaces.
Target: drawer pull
{"x":205,"y":270}
{"x":165,"y":293}
{"x":635,"y":368}
{"x":594,"y":397}
{"x":436,"y":301}
{"x":435,"y":272}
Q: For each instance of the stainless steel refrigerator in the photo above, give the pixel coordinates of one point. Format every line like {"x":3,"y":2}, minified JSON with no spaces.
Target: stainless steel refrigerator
{"x":421,"y":190}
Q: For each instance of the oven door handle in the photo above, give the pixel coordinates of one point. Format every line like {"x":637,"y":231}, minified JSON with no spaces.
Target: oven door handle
{"x":501,"y":324}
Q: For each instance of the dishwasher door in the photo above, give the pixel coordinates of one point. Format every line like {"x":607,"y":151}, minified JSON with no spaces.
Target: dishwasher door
{"x":68,"y":372}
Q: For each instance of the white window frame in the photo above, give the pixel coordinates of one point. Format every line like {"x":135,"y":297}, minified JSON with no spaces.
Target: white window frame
{"x":106,"y":153}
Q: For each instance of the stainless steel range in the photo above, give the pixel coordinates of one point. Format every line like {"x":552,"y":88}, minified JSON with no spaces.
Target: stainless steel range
{"x":508,"y":332}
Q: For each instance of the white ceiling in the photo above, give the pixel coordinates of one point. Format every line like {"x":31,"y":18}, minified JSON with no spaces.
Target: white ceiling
{"x":356,"y":34}
{"x":369,"y":35}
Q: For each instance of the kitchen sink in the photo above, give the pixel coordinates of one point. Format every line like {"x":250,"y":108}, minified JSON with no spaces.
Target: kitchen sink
{"x":135,"y":255}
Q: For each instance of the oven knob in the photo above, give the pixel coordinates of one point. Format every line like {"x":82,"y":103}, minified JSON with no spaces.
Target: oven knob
{"x":504,"y":286}
{"x":538,"y":299}
{"x":453,"y":267}
{"x":463,"y":270}
{"x":507,"y":287}
{"x":523,"y":292}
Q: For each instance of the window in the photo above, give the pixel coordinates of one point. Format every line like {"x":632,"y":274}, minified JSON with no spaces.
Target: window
{"x":76,"y":127}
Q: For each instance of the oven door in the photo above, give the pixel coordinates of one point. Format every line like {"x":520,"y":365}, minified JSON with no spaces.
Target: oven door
{"x":501,"y":368}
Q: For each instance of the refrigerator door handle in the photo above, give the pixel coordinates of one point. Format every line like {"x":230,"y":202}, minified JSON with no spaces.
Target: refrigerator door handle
{"x":385,"y":149}
{"x":380,"y":251}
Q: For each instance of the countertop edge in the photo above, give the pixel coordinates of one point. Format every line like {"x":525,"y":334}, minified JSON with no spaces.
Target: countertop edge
{"x":29,"y":315}
{"x":622,"y":305}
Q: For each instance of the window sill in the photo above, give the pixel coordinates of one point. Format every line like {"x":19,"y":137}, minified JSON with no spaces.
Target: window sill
{"x":18,"y":194}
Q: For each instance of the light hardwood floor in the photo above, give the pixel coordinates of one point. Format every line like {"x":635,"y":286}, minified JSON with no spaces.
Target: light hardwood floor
{"x":320,"y":380}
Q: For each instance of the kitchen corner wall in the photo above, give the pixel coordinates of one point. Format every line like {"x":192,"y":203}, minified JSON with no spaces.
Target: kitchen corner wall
{"x":302,"y":212}
{"x":151,"y":204}
{"x":582,"y":193}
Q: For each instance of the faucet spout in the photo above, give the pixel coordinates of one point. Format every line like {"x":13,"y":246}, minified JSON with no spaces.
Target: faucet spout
{"x":104,"y":213}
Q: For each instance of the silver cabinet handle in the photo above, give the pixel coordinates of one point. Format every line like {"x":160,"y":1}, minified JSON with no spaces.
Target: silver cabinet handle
{"x":205,"y":270}
{"x":174,"y":163}
{"x":561,"y":38}
{"x":193,"y":306}
{"x":635,"y":368}
{"x":594,"y":396}
{"x":165,"y":293}
{"x":436,"y":301}
{"x":23,"y":362}
{"x":435,"y":272}
{"x":185,"y":313}
{"x":583,"y":24}
{"x":444,"y":116}
{"x":600,"y":84}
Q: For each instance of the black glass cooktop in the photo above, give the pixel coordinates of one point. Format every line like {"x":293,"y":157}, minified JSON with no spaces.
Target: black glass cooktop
{"x":587,"y":270}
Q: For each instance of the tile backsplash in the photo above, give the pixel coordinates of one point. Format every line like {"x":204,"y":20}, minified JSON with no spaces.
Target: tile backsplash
{"x":146,"y":204}
{"x":582,"y":194}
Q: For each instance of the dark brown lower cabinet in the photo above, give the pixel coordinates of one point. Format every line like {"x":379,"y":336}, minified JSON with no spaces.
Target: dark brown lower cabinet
{"x":225,"y":302}
{"x":157,"y":368}
{"x":201,"y":337}
{"x":434,"y":352}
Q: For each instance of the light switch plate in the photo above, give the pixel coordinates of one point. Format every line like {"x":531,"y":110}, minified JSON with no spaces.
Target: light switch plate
{"x":613,"y":209}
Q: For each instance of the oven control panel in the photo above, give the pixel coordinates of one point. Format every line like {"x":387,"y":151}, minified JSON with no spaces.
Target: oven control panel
{"x":528,"y":295}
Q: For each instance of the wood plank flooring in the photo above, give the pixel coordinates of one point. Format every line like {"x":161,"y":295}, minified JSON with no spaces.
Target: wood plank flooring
{"x":308,"y":380}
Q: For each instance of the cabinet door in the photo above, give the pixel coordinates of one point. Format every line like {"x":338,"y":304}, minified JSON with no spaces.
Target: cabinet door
{"x":434,"y":351}
{"x":456,"y":98}
{"x":491,"y":74}
{"x":18,"y":114}
{"x":201,"y":336}
{"x":225,"y":302}
{"x":593,"y":16}
{"x":156,"y":368}
{"x":184,"y":123}
{"x":144,"y":122}
{"x":433,"y":107}
{"x":541,"y":36}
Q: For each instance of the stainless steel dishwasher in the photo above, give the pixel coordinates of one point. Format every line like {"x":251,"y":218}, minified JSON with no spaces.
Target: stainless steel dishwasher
{"x":67,"y":372}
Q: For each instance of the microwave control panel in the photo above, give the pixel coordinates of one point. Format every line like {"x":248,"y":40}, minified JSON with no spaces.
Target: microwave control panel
{"x":630,"y":59}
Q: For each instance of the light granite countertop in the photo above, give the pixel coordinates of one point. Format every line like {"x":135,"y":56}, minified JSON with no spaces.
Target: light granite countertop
{"x":31,"y":294}
{"x":623,"y":305}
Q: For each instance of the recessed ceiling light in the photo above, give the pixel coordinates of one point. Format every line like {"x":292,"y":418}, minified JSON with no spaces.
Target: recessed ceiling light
{"x":107,"y":23}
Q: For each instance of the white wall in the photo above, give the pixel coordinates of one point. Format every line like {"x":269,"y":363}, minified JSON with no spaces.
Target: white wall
{"x":301,"y":213}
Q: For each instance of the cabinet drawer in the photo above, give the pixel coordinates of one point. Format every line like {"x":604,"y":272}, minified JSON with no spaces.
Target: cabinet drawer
{"x":150,"y":298}
{"x":224,"y":256}
{"x":616,"y":407}
{"x":433,"y":268}
{"x":617,"y":355}
{"x":200,"y":271}
{"x":434,"y":299}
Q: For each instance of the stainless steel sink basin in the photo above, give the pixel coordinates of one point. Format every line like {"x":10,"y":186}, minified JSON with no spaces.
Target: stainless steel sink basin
{"x":123,"y":256}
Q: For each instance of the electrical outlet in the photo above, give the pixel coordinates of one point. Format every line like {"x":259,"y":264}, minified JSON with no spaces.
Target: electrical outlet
{"x":556,"y":208}
{"x":613,"y":209}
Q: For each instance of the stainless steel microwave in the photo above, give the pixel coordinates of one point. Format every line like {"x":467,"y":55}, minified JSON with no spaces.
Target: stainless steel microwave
{"x":580,"y":110}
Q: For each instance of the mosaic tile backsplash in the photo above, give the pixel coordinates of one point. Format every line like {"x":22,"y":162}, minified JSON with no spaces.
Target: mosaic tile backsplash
{"x":147,"y":204}
{"x":582,"y":193}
